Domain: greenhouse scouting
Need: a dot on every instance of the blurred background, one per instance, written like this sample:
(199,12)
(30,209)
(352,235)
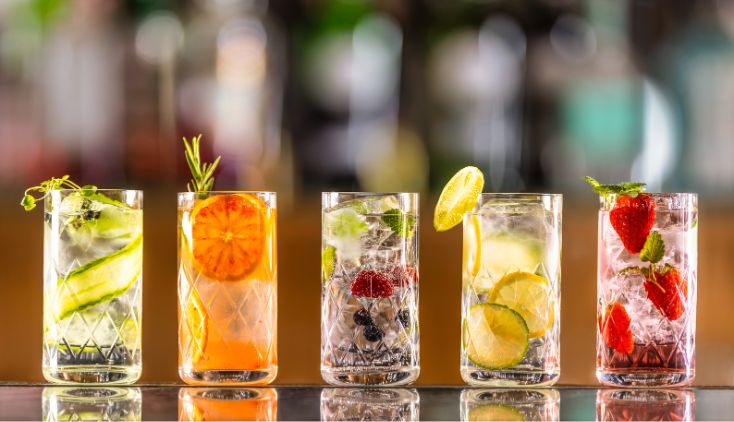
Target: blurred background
(304,96)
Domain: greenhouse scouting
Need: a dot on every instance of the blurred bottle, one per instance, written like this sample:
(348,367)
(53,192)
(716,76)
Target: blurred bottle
(232,88)
(349,55)
(475,86)
(92,404)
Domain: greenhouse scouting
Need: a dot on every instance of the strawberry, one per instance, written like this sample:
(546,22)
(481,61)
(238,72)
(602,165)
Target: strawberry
(372,284)
(633,213)
(668,291)
(404,276)
(615,328)
(632,219)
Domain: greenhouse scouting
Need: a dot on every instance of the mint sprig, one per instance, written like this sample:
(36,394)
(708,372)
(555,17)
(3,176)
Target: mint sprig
(626,188)
(202,174)
(55,183)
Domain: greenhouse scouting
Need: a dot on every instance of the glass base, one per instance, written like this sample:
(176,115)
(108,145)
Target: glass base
(228,377)
(92,374)
(370,376)
(509,378)
(645,378)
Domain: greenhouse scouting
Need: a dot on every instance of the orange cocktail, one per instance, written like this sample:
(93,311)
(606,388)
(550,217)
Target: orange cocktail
(227,288)
(227,404)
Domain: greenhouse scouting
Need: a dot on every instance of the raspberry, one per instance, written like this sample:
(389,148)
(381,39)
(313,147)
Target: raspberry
(372,284)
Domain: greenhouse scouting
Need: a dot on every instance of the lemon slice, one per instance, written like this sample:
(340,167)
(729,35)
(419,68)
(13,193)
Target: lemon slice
(503,253)
(495,336)
(530,296)
(472,245)
(495,412)
(457,198)
(195,321)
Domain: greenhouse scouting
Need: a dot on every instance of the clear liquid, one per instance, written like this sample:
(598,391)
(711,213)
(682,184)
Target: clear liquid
(101,343)
(348,355)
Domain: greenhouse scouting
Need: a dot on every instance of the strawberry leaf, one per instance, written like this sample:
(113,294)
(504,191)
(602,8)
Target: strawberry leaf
(626,188)
(654,248)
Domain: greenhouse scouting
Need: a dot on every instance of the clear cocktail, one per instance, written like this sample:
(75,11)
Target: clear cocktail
(93,263)
(511,290)
(369,302)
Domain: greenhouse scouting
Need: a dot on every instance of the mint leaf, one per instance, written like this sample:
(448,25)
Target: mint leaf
(400,223)
(654,248)
(28,202)
(626,188)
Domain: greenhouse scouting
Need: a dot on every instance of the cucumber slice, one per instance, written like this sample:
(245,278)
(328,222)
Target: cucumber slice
(99,280)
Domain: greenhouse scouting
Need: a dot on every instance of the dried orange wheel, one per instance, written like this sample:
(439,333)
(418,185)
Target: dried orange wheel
(228,236)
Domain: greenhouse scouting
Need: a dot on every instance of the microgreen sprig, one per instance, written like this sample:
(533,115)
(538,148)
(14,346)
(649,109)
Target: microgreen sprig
(627,188)
(55,183)
(202,174)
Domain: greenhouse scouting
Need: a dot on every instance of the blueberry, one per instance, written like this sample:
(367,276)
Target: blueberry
(92,215)
(362,317)
(372,333)
(404,317)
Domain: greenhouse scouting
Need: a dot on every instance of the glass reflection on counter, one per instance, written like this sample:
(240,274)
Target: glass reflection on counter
(361,404)
(227,404)
(510,405)
(645,405)
(92,403)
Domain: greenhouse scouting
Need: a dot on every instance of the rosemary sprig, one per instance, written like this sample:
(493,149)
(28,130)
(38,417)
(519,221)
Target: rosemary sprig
(55,183)
(202,174)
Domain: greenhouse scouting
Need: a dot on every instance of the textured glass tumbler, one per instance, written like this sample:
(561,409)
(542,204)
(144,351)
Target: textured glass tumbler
(369,300)
(644,404)
(370,404)
(647,308)
(92,293)
(227,281)
(512,290)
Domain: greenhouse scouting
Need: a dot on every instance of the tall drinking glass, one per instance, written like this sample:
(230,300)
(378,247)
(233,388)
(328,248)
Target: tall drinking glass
(93,265)
(369,300)
(227,404)
(511,290)
(647,308)
(542,405)
(644,404)
(227,279)
(92,404)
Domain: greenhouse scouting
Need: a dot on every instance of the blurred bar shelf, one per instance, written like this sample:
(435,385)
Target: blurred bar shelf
(317,402)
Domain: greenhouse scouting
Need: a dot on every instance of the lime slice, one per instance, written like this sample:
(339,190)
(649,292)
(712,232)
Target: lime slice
(458,197)
(530,296)
(495,412)
(503,253)
(472,245)
(328,261)
(98,280)
(495,336)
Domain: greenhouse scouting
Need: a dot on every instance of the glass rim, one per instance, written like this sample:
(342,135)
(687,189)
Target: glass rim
(98,190)
(369,193)
(227,192)
(519,195)
(663,194)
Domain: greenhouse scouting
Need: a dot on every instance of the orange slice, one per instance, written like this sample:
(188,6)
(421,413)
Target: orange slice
(228,235)
(195,327)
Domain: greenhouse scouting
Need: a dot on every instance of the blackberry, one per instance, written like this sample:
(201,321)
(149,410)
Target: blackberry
(92,215)
(372,333)
(404,317)
(362,317)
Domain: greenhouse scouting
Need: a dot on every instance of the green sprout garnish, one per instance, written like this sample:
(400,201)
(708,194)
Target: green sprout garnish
(55,183)
(202,174)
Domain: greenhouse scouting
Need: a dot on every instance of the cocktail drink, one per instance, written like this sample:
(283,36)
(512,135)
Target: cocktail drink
(369,301)
(93,264)
(645,405)
(92,404)
(510,405)
(647,289)
(227,404)
(227,287)
(379,404)
(511,290)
